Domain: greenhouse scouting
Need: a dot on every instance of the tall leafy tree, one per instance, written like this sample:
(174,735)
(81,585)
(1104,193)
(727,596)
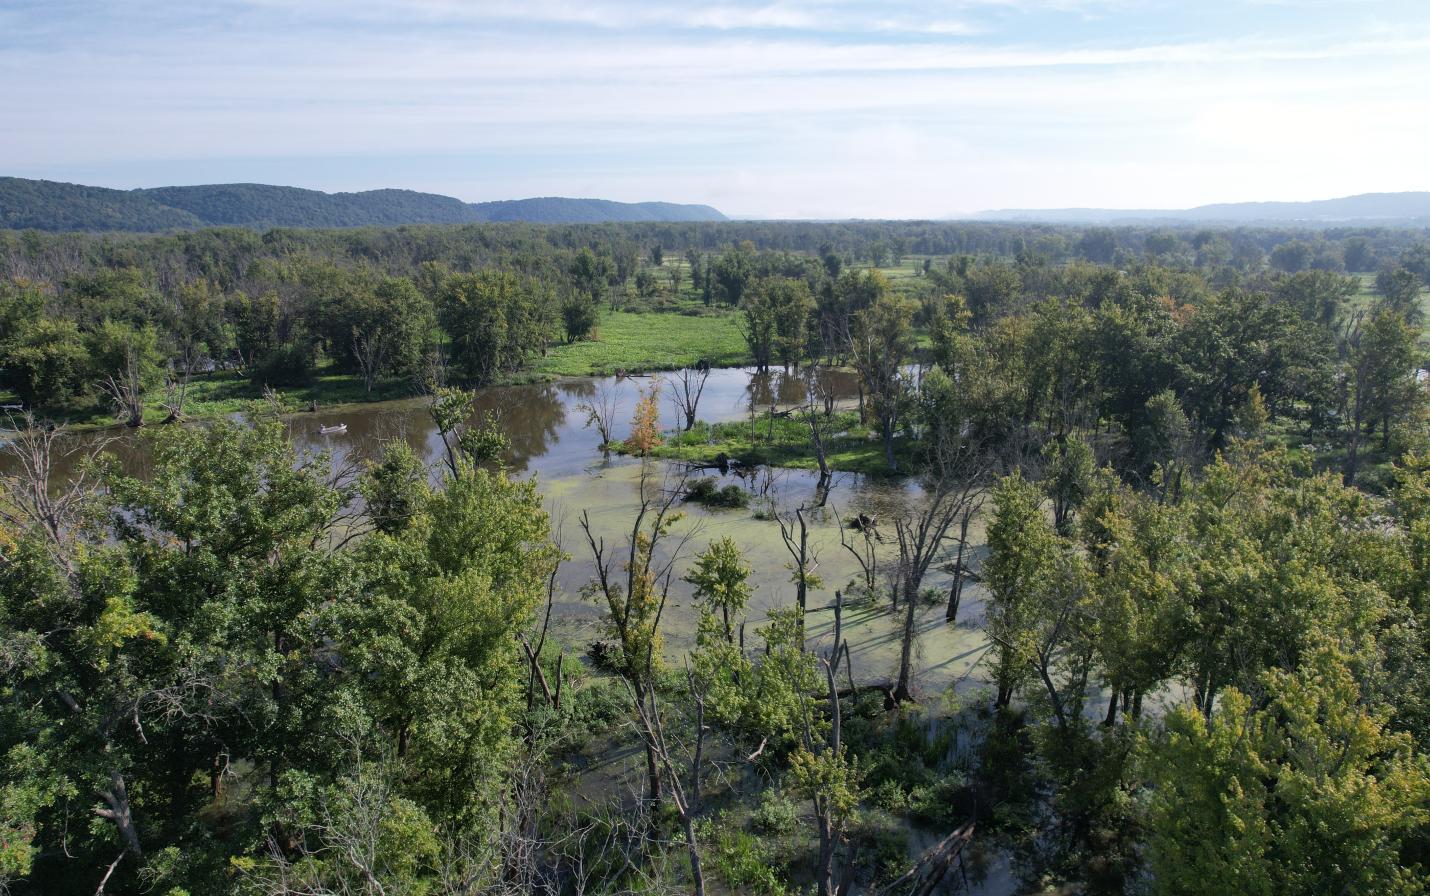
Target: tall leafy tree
(882,339)
(1305,791)
(496,321)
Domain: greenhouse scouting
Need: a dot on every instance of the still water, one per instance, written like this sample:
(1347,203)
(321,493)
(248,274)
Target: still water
(551,442)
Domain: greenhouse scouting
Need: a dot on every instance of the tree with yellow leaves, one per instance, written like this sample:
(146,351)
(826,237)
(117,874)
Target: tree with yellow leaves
(645,425)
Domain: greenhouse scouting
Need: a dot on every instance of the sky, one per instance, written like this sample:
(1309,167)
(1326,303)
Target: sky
(783,109)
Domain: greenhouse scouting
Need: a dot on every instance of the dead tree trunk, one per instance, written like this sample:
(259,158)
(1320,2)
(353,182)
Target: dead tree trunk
(686,389)
(804,559)
(960,572)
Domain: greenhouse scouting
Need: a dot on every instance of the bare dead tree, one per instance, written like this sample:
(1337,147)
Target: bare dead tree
(176,381)
(684,794)
(350,519)
(616,853)
(274,401)
(686,388)
(370,350)
(953,480)
(924,878)
(346,831)
(819,423)
(635,607)
(959,569)
(109,872)
(828,816)
(126,391)
(600,412)
(804,560)
(536,675)
(861,540)
(635,595)
(33,496)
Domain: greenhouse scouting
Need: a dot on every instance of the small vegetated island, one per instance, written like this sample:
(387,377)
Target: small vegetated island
(1161,496)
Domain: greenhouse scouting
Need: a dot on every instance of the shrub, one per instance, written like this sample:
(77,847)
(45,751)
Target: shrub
(776,814)
(707,491)
(740,859)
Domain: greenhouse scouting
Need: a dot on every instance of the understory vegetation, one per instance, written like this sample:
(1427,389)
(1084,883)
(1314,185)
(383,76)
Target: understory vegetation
(1178,482)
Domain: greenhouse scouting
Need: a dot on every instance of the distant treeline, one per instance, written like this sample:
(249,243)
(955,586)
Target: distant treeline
(86,319)
(223,255)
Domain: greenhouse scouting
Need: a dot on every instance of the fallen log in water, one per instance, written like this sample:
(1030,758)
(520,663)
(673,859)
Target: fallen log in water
(932,867)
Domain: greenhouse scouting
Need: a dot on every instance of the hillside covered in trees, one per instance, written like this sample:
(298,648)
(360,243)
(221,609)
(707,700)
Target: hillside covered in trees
(48,205)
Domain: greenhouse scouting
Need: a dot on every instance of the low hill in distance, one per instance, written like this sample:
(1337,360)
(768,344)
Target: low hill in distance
(1365,208)
(49,205)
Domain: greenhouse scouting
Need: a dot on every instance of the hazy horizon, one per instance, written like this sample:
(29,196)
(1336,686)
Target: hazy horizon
(762,110)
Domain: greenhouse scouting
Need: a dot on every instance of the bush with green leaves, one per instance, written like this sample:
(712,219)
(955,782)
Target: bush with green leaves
(708,492)
(740,859)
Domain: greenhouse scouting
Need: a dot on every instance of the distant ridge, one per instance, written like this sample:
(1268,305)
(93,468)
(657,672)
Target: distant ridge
(1365,208)
(50,205)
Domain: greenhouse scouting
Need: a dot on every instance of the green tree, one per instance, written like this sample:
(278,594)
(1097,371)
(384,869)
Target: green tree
(1380,385)
(1292,256)
(1098,244)
(1142,576)
(433,634)
(775,320)
(721,580)
(733,273)
(1318,296)
(1310,794)
(882,340)
(394,488)
(1068,479)
(1022,555)
(46,363)
(1359,254)
(991,289)
(390,332)
(591,274)
(1401,288)
(579,316)
(170,637)
(496,321)
(1237,340)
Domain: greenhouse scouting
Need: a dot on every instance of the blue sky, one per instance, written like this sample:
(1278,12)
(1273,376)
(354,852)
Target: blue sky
(763,109)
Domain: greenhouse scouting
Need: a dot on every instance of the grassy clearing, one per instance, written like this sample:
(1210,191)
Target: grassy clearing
(649,341)
(1366,298)
(910,267)
(779,442)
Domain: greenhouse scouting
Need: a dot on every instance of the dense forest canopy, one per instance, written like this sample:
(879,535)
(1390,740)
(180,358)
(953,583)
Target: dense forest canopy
(1175,478)
(220,254)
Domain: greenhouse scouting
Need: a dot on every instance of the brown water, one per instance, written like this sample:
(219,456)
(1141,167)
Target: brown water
(550,441)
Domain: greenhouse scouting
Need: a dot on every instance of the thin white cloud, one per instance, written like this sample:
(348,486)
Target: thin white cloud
(776,108)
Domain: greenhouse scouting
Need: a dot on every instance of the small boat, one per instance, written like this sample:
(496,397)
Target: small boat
(336,429)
